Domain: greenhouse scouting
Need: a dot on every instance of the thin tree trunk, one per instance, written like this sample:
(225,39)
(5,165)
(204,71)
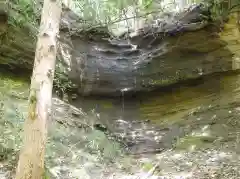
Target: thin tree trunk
(31,159)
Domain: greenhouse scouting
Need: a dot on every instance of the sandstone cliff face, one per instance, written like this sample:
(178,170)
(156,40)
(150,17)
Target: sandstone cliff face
(177,48)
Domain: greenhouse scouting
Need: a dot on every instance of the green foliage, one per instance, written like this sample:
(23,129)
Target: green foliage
(102,12)
(216,8)
(27,12)
(61,82)
(147,3)
(92,12)
(220,9)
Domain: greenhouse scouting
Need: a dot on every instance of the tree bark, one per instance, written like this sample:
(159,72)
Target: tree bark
(31,159)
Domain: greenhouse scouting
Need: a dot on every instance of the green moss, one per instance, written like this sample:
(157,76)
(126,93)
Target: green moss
(179,77)
(107,105)
(194,142)
(46,173)
(13,86)
(147,166)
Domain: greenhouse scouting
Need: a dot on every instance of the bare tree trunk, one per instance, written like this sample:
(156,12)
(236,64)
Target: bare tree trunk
(31,159)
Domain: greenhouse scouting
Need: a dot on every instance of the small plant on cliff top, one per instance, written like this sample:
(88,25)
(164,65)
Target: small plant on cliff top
(220,9)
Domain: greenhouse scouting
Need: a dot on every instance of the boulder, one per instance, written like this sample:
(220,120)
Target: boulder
(172,48)
(179,47)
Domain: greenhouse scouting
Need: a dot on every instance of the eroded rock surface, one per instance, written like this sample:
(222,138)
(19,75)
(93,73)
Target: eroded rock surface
(175,47)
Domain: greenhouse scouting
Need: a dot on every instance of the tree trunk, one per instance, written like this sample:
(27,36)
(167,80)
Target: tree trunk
(31,159)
